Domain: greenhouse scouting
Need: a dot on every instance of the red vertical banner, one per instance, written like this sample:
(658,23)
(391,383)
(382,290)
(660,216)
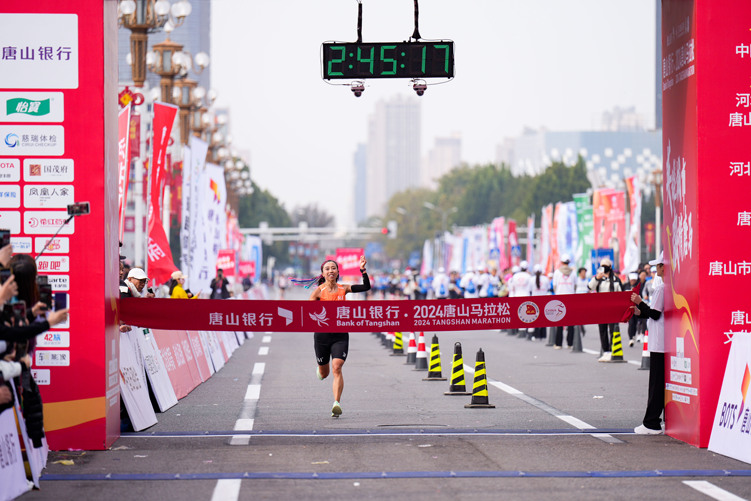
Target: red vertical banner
(226,260)
(66,120)
(616,222)
(348,259)
(513,244)
(600,209)
(160,262)
(706,50)
(123,164)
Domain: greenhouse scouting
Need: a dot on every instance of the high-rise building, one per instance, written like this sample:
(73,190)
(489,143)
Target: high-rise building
(193,35)
(393,151)
(445,155)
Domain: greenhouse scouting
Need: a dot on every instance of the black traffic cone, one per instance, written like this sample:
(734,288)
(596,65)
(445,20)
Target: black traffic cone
(411,350)
(480,385)
(577,347)
(457,386)
(434,370)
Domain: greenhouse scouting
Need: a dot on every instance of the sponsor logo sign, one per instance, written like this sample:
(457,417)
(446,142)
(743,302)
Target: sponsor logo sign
(46,140)
(36,222)
(40,51)
(48,358)
(45,170)
(10,170)
(41,196)
(21,245)
(11,220)
(58,264)
(53,339)
(59,282)
(10,197)
(41,376)
(555,311)
(31,107)
(58,245)
(528,312)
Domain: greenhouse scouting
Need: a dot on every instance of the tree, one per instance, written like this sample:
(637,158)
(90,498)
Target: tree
(260,206)
(315,216)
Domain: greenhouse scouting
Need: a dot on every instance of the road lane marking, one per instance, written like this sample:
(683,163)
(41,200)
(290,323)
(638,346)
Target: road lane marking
(266,339)
(253,392)
(263,350)
(571,420)
(258,369)
(227,489)
(712,490)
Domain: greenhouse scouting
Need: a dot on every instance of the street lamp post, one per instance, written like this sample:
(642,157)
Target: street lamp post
(142,17)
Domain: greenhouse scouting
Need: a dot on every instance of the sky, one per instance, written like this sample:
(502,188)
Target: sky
(556,64)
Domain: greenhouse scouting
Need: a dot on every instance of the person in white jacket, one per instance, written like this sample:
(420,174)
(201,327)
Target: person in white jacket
(564,282)
(540,287)
(441,284)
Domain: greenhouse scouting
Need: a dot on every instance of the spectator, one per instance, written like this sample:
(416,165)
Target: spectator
(652,424)
(282,283)
(455,291)
(483,281)
(519,285)
(606,281)
(582,287)
(219,286)
(540,287)
(135,284)
(247,283)
(564,282)
(494,283)
(177,286)
(468,283)
(441,284)
(636,325)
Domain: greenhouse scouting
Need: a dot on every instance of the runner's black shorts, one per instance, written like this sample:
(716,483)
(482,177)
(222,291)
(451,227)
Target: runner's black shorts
(330,345)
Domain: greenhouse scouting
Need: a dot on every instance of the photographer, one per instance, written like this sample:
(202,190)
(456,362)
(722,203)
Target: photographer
(606,281)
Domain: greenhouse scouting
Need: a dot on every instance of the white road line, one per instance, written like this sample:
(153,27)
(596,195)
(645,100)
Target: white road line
(263,350)
(712,490)
(258,369)
(227,490)
(593,352)
(244,424)
(575,422)
(266,339)
(253,392)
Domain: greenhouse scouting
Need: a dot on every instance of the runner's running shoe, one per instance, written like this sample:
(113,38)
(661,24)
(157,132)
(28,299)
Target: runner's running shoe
(318,373)
(336,410)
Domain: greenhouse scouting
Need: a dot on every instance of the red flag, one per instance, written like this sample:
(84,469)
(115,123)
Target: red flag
(160,262)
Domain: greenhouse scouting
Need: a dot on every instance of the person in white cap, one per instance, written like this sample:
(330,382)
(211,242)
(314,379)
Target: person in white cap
(564,282)
(468,284)
(606,281)
(441,284)
(177,287)
(540,287)
(135,284)
(652,424)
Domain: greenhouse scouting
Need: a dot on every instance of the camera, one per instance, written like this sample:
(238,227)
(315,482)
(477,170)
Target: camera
(420,87)
(357,88)
(4,275)
(79,209)
(4,238)
(45,294)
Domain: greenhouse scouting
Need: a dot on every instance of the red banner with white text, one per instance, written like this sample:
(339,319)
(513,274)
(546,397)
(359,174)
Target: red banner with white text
(370,316)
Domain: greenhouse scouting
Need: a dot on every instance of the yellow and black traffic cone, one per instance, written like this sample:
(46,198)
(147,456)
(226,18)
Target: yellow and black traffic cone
(617,348)
(480,385)
(411,350)
(645,358)
(434,370)
(398,345)
(457,386)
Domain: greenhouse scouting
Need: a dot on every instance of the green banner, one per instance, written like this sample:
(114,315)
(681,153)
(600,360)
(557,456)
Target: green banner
(586,226)
(34,108)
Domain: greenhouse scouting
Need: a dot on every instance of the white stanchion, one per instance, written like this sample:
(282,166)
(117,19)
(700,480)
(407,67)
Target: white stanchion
(36,456)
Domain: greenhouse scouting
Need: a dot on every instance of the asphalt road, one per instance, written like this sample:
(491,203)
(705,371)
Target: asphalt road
(261,428)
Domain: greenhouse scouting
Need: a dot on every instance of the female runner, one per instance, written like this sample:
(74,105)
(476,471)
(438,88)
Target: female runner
(334,345)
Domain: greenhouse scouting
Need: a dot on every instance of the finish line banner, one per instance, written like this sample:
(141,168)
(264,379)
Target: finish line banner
(375,315)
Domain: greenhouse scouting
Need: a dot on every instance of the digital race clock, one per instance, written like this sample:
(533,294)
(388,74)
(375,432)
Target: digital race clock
(356,61)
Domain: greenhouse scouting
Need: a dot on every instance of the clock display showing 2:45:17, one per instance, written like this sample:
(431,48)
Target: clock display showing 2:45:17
(388,60)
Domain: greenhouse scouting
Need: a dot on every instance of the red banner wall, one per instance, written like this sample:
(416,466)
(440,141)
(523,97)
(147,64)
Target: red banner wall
(706,52)
(377,316)
(77,368)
